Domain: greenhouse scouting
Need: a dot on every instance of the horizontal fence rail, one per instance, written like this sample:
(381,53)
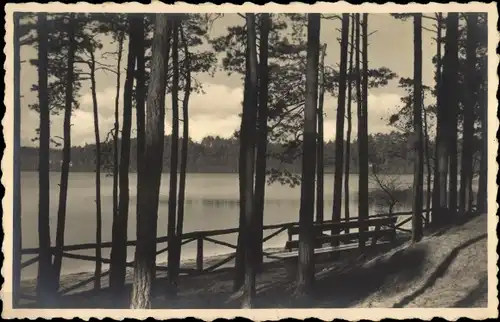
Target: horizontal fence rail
(196,265)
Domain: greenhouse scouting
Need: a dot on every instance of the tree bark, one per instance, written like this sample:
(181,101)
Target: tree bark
(174,162)
(440,190)
(250,116)
(418,175)
(349,124)
(98,231)
(66,153)
(44,290)
(305,276)
(241,249)
(451,81)
(363,137)
(120,225)
(152,159)
(468,135)
(482,189)
(140,94)
(116,128)
(165,76)
(17,227)
(339,131)
(359,98)
(260,170)
(184,147)
(429,169)
(320,149)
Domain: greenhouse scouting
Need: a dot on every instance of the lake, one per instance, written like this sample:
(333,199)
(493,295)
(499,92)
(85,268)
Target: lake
(211,203)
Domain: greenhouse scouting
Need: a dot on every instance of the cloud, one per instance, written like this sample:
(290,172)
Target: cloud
(380,107)
(214,112)
(218,100)
(105,101)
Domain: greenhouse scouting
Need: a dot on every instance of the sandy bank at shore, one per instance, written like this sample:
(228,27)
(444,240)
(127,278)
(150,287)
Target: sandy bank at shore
(447,268)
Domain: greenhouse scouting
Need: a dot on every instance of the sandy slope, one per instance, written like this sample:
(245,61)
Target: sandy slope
(446,269)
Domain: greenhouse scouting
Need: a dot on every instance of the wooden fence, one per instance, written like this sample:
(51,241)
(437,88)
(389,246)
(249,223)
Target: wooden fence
(201,238)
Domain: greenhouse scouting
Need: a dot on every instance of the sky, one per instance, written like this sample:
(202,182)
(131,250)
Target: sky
(215,112)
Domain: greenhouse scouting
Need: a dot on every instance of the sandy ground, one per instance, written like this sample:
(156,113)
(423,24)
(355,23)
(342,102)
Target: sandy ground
(447,268)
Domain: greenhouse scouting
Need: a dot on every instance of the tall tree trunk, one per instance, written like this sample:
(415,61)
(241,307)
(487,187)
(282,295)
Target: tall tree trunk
(349,124)
(482,189)
(66,153)
(440,189)
(339,131)
(165,75)
(250,116)
(152,160)
(98,231)
(429,168)
(359,98)
(260,169)
(468,136)
(140,96)
(418,174)
(320,149)
(44,290)
(120,225)
(116,129)
(184,148)
(17,227)
(363,138)
(305,276)
(451,83)
(174,159)
(241,249)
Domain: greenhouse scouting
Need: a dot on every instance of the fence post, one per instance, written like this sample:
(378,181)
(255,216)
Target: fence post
(199,254)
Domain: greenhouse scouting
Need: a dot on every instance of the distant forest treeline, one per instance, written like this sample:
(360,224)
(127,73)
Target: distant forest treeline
(390,152)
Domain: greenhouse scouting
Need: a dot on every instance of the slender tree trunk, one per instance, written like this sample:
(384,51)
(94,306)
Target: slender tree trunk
(260,170)
(468,137)
(17,227)
(250,116)
(339,131)
(241,249)
(305,276)
(44,290)
(440,190)
(184,147)
(98,231)
(482,189)
(349,124)
(140,96)
(174,159)
(320,149)
(140,90)
(418,175)
(363,137)
(120,225)
(66,154)
(359,98)
(116,128)
(152,160)
(429,169)
(165,76)
(451,83)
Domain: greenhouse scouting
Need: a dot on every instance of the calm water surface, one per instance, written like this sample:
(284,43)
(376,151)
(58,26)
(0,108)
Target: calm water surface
(211,203)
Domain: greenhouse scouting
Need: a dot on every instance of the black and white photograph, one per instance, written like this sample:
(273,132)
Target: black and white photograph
(177,160)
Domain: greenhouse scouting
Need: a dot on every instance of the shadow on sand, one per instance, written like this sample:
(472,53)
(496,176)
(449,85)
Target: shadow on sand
(342,284)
